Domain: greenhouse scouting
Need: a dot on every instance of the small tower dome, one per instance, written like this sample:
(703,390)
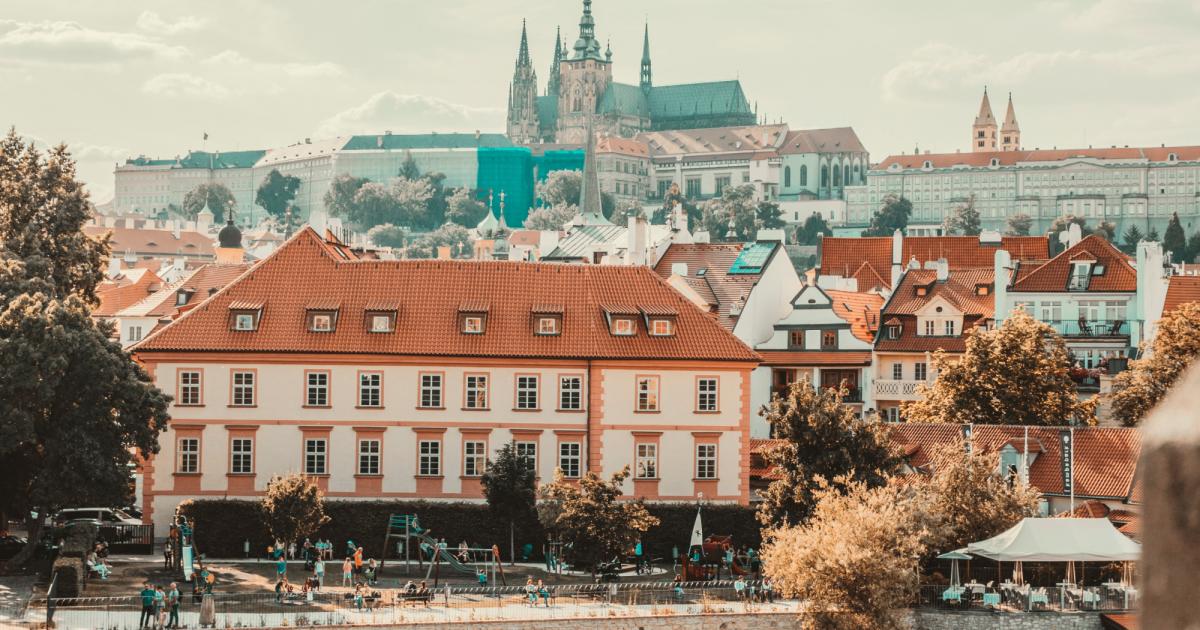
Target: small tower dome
(230,236)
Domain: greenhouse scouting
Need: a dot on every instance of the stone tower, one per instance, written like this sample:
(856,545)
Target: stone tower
(645,77)
(583,79)
(522,97)
(552,85)
(1010,131)
(983,132)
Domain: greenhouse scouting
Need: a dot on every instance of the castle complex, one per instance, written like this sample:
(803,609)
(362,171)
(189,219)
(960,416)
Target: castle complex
(580,86)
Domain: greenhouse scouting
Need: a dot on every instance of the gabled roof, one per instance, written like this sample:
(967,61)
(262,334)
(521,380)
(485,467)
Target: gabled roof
(430,294)
(144,242)
(844,256)
(833,140)
(687,99)
(623,146)
(582,239)
(860,310)
(1119,275)
(200,283)
(708,266)
(621,98)
(959,290)
(740,140)
(1180,291)
(132,286)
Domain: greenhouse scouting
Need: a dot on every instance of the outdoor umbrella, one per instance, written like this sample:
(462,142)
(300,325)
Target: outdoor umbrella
(954,557)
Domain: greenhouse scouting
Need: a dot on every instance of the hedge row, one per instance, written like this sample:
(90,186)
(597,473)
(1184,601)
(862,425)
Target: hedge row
(223,526)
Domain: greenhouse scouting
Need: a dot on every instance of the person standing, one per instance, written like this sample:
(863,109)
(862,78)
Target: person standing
(147,596)
(358,560)
(173,605)
(291,548)
(319,572)
(347,569)
(280,568)
(160,607)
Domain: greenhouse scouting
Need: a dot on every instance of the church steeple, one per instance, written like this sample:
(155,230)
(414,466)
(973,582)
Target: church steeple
(1010,132)
(587,46)
(523,53)
(645,82)
(983,132)
(552,83)
(522,96)
(590,210)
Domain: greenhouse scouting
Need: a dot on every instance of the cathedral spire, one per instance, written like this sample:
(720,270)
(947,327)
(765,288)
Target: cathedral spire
(1010,118)
(985,116)
(590,210)
(983,131)
(523,53)
(552,81)
(1010,132)
(645,82)
(587,47)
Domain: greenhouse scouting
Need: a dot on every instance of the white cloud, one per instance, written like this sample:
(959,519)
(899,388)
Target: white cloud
(232,59)
(73,43)
(154,23)
(409,113)
(178,84)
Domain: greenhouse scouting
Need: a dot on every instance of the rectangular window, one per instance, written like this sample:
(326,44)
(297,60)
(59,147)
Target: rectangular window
(722,183)
(647,461)
(188,461)
(189,388)
(569,458)
(473,325)
(317,389)
(368,456)
(622,326)
(1051,311)
(528,452)
(527,392)
(135,333)
(929,328)
(430,463)
(706,461)
(547,326)
(241,456)
(796,339)
(897,371)
(316,451)
(244,321)
(570,393)
(892,414)
(243,389)
(476,391)
(706,394)
(647,393)
(693,188)
(950,326)
(431,391)
(370,389)
(829,339)
(662,328)
(920,371)
(474,458)
(321,322)
(381,323)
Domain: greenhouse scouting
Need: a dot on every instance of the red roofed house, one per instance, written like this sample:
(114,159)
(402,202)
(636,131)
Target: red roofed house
(397,379)
(160,308)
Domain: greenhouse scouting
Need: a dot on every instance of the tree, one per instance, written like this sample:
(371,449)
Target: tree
(592,518)
(854,563)
(551,217)
(387,235)
(768,216)
(215,197)
(626,209)
(339,199)
(1174,240)
(1193,248)
(75,410)
(565,187)
(965,219)
(408,168)
(892,216)
(813,229)
(1176,345)
(1152,235)
(372,205)
(276,192)
(733,216)
(435,207)
(1015,374)
(293,507)
(510,487)
(412,197)
(671,198)
(1131,238)
(464,209)
(822,438)
(1019,225)
(1106,230)
(451,235)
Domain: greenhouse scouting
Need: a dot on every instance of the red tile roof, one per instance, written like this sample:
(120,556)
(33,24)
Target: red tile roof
(203,282)
(861,310)
(120,293)
(716,285)
(833,140)
(624,146)
(1119,276)
(959,289)
(1180,291)
(1010,158)
(154,242)
(430,294)
(844,256)
(816,357)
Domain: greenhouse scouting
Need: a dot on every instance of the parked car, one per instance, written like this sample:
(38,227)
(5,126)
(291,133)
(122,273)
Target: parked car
(10,546)
(104,516)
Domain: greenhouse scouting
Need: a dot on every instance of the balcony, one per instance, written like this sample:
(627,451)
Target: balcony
(887,389)
(1091,328)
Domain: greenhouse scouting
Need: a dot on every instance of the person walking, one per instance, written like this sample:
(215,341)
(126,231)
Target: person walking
(147,597)
(173,605)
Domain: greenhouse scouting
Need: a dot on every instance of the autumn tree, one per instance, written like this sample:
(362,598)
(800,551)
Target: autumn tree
(1174,240)
(892,216)
(821,438)
(75,410)
(551,217)
(1015,374)
(592,518)
(510,487)
(276,192)
(855,561)
(964,220)
(1176,345)
(339,199)
(464,209)
(1019,225)
(215,197)
(293,507)
(1133,235)
(812,230)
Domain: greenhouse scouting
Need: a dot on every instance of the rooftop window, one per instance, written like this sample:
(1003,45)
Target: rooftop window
(548,325)
(322,321)
(381,322)
(662,327)
(622,326)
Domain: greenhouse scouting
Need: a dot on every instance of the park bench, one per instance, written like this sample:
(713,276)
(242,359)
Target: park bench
(404,598)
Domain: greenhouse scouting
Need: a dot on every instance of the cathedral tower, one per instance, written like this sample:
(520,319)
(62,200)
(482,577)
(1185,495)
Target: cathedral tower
(1010,131)
(583,78)
(552,83)
(522,97)
(645,80)
(983,132)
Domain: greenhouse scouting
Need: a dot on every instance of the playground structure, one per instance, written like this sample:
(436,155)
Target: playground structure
(405,527)
(703,562)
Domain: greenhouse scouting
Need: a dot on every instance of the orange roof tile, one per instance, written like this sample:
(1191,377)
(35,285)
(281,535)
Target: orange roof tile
(623,146)
(203,282)
(1119,275)
(1180,291)
(116,295)
(154,242)
(815,357)
(959,289)
(708,273)
(861,310)
(431,293)
(845,256)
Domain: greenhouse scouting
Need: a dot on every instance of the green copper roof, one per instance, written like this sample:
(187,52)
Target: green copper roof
(620,98)
(547,111)
(689,99)
(205,160)
(426,141)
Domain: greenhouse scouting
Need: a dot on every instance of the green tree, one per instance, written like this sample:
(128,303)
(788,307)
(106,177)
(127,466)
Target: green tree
(1015,374)
(510,487)
(768,215)
(464,209)
(412,197)
(75,410)
(551,217)
(435,207)
(293,507)
(1106,230)
(564,187)
(1176,345)
(822,438)
(388,235)
(626,209)
(1193,248)
(592,518)
(408,168)
(673,196)
(1019,225)
(276,192)
(892,216)
(372,205)
(339,199)
(965,219)
(813,229)
(733,216)
(215,197)
(1133,235)
(1174,240)
(1152,235)
(451,235)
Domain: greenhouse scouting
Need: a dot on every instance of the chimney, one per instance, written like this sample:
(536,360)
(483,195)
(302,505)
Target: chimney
(114,267)
(130,258)
(679,269)
(897,255)
(943,270)
(178,266)
(174,228)
(443,252)
(1151,286)
(1001,268)
(635,252)
(1071,236)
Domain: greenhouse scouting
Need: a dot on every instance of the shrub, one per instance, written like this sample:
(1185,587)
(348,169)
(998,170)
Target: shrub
(71,576)
(78,540)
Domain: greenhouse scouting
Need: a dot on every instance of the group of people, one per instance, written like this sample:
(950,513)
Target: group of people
(96,561)
(413,592)
(160,607)
(534,591)
(748,591)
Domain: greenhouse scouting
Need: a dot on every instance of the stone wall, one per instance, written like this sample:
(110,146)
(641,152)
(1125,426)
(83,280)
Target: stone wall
(955,620)
(766,621)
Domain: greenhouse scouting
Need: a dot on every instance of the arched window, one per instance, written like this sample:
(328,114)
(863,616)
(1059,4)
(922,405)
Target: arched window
(824,176)
(803,174)
(928,164)
(837,177)
(846,174)
(1172,157)
(576,100)
(787,177)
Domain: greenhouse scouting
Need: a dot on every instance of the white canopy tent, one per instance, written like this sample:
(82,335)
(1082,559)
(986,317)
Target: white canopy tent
(1059,540)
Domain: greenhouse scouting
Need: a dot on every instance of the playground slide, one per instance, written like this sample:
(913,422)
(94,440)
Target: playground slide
(427,542)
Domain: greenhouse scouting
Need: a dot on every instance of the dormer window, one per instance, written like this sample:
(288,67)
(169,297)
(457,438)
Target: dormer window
(472,324)
(1081,274)
(662,327)
(547,319)
(548,325)
(244,321)
(244,316)
(320,322)
(893,332)
(472,318)
(922,290)
(182,296)
(983,289)
(381,322)
(622,326)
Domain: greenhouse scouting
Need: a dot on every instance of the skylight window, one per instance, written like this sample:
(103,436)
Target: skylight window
(381,322)
(245,321)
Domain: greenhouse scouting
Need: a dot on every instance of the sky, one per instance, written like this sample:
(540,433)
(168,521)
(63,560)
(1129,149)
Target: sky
(117,79)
